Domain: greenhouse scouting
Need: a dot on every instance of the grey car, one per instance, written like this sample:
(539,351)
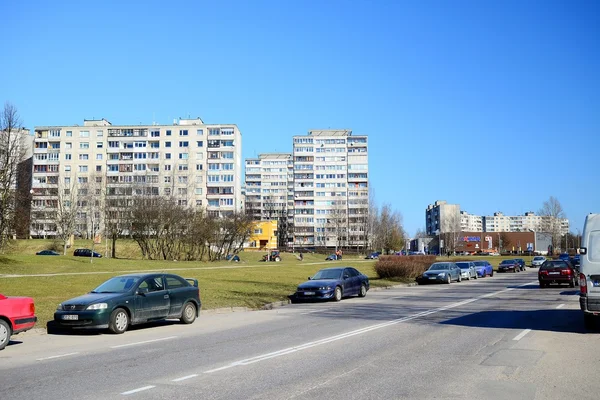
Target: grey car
(468,270)
(440,272)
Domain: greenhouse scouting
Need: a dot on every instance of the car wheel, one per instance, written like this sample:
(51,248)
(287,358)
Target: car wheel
(189,313)
(277,259)
(119,321)
(572,283)
(363,291)
(337,293)
(5,333)
(448,279)
(475,277)
(492,274)
(588,321)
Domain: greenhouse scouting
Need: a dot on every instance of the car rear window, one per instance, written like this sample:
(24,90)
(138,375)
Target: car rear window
(174,282)
(554,264)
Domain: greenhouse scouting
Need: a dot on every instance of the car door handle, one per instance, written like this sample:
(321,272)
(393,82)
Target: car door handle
(166,296)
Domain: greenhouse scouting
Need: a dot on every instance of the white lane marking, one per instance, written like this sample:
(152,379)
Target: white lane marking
(314,311)
(361,331)
(522,334)
(138,390)
(144,342)
(560,306)
(183,378)
(58,356)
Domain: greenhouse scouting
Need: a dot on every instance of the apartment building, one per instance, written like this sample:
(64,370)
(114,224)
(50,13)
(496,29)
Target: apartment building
(331,193)
(269,186)
(470,222)
(498,222)
(15,162)
(443,217)
(198,164)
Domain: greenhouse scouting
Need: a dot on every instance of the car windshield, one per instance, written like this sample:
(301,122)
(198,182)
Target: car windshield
(439,267)
(480,263)
(463,265)
(328,274)
(538,258)
(508,262)
(119,284)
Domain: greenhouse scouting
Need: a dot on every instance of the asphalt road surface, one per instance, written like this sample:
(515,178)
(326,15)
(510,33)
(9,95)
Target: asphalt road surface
(492,338)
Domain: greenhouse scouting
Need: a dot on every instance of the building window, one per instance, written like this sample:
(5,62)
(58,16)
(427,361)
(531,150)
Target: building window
(69,133)
(183,156)
(198,191)
(154,133)
(98,168)
(167,144)
(184,144)
(183,132)
(198,202)
(168,156)
(84,134)
(199,132)
(168,132)
(83,168)
(67,156)
(199,143)
(83,157)
(99,133)
(99,157)
(84,145)
(99,145)
(198,167)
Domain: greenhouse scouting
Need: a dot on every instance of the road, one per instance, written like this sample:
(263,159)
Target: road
(492,338)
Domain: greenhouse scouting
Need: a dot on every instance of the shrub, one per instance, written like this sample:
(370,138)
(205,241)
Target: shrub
(403,267)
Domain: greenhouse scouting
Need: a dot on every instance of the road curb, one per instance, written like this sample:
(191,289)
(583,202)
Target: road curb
(228,310)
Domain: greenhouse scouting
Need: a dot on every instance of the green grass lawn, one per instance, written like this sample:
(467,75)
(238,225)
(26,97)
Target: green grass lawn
(249,283)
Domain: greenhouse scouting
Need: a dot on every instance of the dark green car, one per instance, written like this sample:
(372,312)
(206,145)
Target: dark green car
(132,299)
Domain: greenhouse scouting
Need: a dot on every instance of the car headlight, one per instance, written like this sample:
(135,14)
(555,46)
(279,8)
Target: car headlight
(59,307)
(441,274)
(97,306)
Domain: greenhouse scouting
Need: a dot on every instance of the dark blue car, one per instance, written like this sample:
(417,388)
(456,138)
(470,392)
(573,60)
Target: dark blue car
(333,284)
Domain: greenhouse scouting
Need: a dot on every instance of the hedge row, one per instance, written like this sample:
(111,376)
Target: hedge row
(403,267)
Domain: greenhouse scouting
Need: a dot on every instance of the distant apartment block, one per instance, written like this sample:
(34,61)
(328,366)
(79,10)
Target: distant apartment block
(470,222)
(331,193)
(520,223)
(441,217)
(269,186)
(197,164)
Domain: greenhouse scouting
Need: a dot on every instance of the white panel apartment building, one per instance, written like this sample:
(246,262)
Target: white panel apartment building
(269,187)
(331,194)
(519,223)
(198,164)
(470,222)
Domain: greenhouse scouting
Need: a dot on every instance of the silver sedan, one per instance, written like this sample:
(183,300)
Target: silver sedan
(467,269)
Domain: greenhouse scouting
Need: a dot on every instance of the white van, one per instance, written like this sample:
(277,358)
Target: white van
(589,277)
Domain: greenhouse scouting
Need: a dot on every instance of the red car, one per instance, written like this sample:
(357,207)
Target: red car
(17,314)
(557,271)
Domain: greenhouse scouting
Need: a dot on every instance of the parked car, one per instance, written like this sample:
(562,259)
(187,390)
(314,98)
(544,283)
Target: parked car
(332,284)
(17,314)
(576,260)
(557,271)
(373,256)
(47,253)
(442,272)
(467,270)
(132,299)
(483,268)
(509,265)
(232,257)
(537,261)
(589,271)
(521,263)
(86,253)
(564,257)
(331,257)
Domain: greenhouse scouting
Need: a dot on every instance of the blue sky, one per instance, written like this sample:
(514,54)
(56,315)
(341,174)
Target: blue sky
(494,105)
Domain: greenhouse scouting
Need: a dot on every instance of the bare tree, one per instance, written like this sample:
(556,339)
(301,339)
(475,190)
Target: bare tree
(452,231)
(11,153)
(117,213)
(552,214)
(66,213)
(388,233)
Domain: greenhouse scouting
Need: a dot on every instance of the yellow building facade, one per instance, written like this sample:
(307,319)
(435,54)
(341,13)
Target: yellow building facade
(263,236)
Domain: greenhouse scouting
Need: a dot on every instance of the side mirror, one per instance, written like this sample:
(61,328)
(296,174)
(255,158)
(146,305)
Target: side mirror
(141,292)
(583,251)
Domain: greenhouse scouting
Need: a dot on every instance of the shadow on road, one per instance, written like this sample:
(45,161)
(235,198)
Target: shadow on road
(553,320)
(53,329)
